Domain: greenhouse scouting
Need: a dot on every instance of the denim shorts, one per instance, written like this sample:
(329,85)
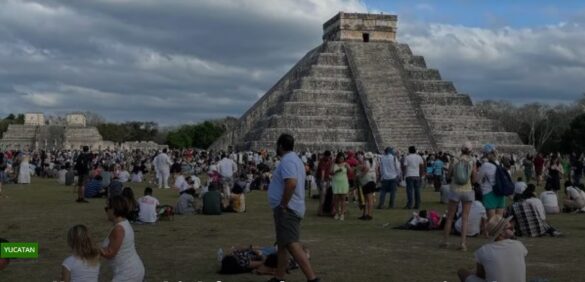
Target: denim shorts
(462,196)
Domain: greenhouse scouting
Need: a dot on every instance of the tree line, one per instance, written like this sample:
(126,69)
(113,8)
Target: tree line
(549,128)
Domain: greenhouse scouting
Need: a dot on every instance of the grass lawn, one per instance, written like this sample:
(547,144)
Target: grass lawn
(185,249)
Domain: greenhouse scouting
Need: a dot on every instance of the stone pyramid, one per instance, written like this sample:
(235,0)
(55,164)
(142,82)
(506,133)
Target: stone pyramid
(362,90)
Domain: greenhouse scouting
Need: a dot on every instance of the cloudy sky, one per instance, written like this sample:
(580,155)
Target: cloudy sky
(183,61)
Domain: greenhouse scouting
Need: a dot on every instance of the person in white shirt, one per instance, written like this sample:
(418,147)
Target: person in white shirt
(476,219)
(520,186)
(549,199)
(227,169)
(182,183)
(414,166)
(162,165)
(84,263)
(124,175)
(148,207)
(494,204)
(196,182)
(61,175)
(503,259)
(575,199)
(389,172)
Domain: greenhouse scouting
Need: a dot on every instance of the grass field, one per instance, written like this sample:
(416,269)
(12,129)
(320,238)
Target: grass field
(185,249)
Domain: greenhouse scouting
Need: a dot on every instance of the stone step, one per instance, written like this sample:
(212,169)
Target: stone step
(423,74)
(439,111)
(467,124)
(304,146)
(478,137)
(404,51)
(322,83)
(433,86)
(310,134)
(323,96)
(323,109)
(330,71)
(501,148)
(331,59)
(416,61)
(322,122)
(332,47)
(446,99)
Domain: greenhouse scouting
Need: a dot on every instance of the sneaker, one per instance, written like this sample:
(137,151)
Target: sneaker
(462,247)
(341,218)
(363,217)
(336,217)
(82,201)
(369,217)
(274,279)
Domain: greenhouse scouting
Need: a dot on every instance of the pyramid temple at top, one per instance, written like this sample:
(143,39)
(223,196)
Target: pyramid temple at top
(362,90)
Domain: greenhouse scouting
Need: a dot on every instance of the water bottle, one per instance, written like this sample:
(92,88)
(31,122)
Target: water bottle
(219,256)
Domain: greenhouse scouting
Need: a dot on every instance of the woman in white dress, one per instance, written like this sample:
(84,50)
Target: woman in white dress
(24,170)
(119,247)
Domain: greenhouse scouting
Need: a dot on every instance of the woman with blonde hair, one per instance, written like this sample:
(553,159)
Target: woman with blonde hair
(84,262)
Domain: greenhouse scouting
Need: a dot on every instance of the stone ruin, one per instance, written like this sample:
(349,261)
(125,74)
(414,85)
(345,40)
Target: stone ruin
(362,90)
(36,134)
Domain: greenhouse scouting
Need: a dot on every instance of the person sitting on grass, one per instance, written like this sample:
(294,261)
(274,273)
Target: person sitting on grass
(148,206)
(476,219)
(115,188)
(134,208)
(186,203)
(93,188)
(84,263)
(237,200)
(70,175)
(212,204)
(502,259)
(575,199)
(550,200)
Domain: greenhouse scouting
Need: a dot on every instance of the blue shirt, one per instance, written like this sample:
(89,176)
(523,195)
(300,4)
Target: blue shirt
(438,167)
(290,167)
(92,188)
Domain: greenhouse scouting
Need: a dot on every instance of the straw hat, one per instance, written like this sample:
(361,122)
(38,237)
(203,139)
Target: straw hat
(496,225)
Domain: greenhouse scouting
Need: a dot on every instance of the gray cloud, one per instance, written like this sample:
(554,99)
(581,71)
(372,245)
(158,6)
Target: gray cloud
(179,61)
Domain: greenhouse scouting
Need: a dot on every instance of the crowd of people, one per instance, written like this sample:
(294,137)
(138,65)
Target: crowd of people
(475,184)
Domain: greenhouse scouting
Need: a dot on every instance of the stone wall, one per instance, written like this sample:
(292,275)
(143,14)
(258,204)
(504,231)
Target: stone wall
(352,27)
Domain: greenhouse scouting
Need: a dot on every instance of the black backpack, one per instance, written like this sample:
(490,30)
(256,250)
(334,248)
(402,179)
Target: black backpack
(504,185)
(83,163)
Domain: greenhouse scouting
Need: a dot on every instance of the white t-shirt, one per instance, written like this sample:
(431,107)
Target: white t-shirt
(476,213)
(227,167)
(196,181)
(503,260)
(137,177)
(549,199)
(519,187)
(487,177)
(147,209)
(81,271)
(124,176)
(61,176)
(538,206)
(412,163)
(181,183)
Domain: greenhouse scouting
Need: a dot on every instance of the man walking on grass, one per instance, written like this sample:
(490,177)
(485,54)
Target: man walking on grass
(286,197)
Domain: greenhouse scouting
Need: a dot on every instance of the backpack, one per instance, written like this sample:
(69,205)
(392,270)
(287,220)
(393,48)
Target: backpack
(461,172)
(82,164)
(504,185)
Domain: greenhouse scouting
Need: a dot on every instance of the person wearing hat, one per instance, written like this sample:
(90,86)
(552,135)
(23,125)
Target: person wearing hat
(389,172)
(502,259)
(494,204)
